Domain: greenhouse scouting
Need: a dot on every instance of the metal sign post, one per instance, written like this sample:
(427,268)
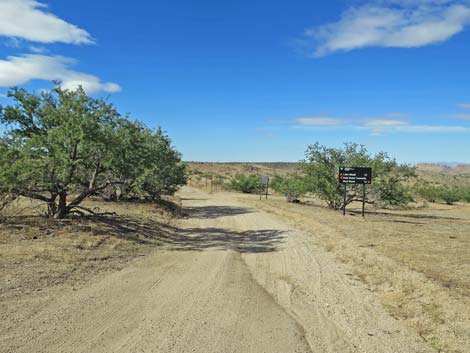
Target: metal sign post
(267,188)
(363,200)
(355,176)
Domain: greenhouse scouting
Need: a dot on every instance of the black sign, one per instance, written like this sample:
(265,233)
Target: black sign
(355,175)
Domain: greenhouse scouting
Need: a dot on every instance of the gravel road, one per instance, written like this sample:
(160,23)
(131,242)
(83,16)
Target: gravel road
(234,279)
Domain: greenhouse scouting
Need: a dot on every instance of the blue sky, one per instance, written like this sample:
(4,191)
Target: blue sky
(259,81)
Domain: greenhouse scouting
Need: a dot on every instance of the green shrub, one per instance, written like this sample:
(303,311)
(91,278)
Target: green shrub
(465,194)
(430,193)
(443,193)
(292,186)
(245,183)
(450,194)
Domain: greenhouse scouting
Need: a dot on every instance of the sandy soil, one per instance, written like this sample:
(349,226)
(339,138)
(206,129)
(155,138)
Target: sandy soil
(230,279)
(414,261)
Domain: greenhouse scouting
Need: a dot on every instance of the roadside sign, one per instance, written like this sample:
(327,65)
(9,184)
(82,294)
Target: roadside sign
(264,180)
(355,175)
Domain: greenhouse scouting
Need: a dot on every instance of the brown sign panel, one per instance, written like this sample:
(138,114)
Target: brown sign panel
(355,175)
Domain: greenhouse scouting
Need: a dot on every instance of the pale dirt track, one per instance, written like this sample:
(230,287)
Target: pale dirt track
(234,280)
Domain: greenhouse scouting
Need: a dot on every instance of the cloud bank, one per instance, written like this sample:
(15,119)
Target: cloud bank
(18,70)
(386,23)
(28,19)
(373,126)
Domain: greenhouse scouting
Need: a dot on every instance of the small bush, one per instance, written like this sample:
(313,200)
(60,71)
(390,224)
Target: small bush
(245,183)
(465,194)
(447,194)
(450,194)
(430,193)
(292,186)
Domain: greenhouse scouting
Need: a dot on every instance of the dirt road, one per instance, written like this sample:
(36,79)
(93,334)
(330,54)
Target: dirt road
(234,279)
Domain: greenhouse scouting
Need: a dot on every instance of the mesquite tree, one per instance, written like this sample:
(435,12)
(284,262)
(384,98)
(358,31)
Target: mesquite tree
(389,178)
(62,146)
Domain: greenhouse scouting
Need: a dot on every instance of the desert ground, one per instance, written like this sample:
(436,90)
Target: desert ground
(236,274)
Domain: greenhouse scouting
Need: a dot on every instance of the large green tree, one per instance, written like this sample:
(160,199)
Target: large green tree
(389,178)
(62,146)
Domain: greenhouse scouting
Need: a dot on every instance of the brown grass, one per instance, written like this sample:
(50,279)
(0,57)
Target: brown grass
(37,253)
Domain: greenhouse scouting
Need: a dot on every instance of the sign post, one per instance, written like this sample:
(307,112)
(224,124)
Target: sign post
(355,176)
(363,200)
(264,183)
(267,188)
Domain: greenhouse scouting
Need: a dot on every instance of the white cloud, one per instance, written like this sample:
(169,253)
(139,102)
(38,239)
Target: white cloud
(384,123)
(432,128)
(378,127)
(319,121)
(18,70)
(375,127)
(460,116)
(38,49)
(28,19)
(403,24)
(464,106)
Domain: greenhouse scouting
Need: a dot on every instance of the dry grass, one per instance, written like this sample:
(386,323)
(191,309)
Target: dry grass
(417,261)
(38,253)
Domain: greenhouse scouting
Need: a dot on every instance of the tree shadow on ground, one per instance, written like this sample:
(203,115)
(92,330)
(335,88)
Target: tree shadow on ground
(406,215)
(212,212)
(191,239)
(253,241)
(150,232)
(192,199)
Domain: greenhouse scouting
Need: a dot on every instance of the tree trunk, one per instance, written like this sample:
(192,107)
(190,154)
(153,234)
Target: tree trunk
(62,208)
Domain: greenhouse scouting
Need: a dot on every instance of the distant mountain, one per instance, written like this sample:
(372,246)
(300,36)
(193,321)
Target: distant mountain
(286,167)
(445,168)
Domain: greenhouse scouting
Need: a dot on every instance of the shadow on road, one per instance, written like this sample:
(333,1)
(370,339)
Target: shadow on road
(192,239)
(148,231)
(255,241)
(211,212)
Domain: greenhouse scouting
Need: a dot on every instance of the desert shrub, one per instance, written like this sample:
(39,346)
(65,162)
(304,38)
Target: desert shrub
(218,180)
(389,178)
(292,186)
(442,193)
(450,194)
(465,194)
(245,183)
(428,192)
